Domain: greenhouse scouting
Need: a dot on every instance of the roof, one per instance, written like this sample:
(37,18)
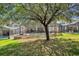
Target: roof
(8,27)
(11,26)
(73,23)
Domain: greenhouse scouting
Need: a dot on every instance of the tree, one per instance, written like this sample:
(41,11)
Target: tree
(44,13)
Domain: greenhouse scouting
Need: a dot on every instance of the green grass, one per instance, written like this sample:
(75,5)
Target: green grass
(74,36)
(62,45)
(4,42)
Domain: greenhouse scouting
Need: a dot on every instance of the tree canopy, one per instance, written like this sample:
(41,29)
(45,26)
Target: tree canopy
(41,13)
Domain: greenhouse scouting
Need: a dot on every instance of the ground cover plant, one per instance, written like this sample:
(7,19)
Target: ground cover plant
(57,46)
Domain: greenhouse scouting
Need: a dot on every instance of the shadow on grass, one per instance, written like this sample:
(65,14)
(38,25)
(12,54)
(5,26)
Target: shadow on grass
(54,47)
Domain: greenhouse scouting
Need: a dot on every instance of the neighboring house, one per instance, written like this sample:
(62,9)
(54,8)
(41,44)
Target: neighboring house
(66,27)
(55,27)
(35,29)
(16,29)
(12,30)
(71,27)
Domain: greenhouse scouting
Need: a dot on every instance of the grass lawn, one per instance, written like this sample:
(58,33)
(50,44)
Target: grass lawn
(4,42)
(74,37)
(62,45)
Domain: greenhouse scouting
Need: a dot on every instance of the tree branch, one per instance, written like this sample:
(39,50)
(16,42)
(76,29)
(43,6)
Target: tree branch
(32,12)
(52,16)
(45,13)
(41,8)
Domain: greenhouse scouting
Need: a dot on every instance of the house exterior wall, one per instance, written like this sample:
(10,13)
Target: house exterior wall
(72,27)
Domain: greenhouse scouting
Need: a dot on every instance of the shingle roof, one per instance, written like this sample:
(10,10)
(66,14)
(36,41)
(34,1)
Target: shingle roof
(73,23)
(8,27)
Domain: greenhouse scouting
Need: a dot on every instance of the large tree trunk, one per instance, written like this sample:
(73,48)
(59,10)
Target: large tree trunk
(47,33)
